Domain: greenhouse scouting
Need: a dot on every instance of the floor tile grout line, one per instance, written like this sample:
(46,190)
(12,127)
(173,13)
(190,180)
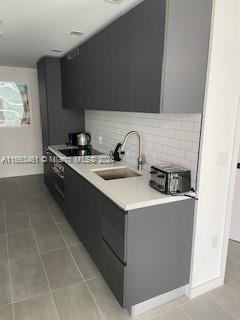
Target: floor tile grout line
(92,296)
(14,213)
(235,241)
(9,270)
(45,272)
(76,265)
(155,317)
(232,258)
(9,233)
(80,272)
(93,278)
(185,311)
(222,306)
(231,282)
(32,297)
(42,263)
(190,317)
(69,246)
(41,253)
(30,228)
(86,280)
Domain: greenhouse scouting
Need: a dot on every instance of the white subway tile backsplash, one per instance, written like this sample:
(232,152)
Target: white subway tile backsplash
(170,138)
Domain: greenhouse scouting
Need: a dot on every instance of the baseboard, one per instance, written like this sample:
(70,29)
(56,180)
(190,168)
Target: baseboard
(157,301)
(203,288)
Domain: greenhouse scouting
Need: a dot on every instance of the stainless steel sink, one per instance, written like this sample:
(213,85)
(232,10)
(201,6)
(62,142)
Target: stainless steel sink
(116,173)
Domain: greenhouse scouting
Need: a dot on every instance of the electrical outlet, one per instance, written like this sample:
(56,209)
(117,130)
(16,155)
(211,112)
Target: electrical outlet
(215,240)
(127,154)
(100,140)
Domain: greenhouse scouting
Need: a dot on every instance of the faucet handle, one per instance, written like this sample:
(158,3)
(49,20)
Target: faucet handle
(116,156)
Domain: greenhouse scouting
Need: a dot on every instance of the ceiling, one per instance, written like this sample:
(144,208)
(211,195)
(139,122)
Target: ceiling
(31,29)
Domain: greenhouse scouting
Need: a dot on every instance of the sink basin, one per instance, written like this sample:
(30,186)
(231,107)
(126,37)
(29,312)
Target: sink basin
(116,173)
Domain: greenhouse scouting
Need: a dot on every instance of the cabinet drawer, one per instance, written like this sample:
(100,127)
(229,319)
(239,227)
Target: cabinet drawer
(114,229)
(113,272)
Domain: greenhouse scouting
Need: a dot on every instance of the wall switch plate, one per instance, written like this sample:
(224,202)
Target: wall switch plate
(222,158)
(215,241)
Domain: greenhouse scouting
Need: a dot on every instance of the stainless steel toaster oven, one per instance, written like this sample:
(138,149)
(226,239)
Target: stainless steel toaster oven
(170,179)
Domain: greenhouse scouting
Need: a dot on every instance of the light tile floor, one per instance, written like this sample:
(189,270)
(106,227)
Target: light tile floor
(46,273)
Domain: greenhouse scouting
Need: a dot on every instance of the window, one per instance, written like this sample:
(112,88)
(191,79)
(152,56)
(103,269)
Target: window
(14,105)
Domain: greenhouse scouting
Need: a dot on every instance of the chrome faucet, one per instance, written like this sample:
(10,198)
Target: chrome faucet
(129,134)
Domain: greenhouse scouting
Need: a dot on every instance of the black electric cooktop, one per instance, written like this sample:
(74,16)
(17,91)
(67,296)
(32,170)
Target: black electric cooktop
(77,152)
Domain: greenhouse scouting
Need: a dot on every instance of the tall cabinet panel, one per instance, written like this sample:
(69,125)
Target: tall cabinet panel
(89,51)
(148,30)
(105,70)
(56,122)
(186,55)
(42,85)
(121,62)
(71,67)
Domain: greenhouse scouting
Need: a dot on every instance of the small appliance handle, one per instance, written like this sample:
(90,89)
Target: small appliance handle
(88,137)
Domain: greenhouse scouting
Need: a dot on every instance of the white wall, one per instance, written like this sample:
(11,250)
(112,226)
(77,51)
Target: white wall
(24,141)
(217,146)
(235,221)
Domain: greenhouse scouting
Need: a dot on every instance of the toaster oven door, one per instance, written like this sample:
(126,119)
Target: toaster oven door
(159,181)
(173,183)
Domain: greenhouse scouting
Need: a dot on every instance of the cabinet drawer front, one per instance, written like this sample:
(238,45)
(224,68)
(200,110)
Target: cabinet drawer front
(115,239)
(114,228)
(113,272)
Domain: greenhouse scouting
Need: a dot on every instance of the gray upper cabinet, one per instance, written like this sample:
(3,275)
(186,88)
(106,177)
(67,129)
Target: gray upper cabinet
(121,62)
(186,55)
(105,70)
(56,122)
(71,67)
(148,29)
(152,59)
(89,52)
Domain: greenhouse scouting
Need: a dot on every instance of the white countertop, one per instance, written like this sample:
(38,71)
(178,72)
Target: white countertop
(129,194)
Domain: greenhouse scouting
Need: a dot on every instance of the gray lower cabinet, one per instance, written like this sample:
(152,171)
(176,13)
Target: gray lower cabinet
(53,181)
(141,253)
(159,244)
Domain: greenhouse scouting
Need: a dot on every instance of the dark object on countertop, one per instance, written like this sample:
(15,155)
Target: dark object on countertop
(170,179)
(116,155)
(72,138)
